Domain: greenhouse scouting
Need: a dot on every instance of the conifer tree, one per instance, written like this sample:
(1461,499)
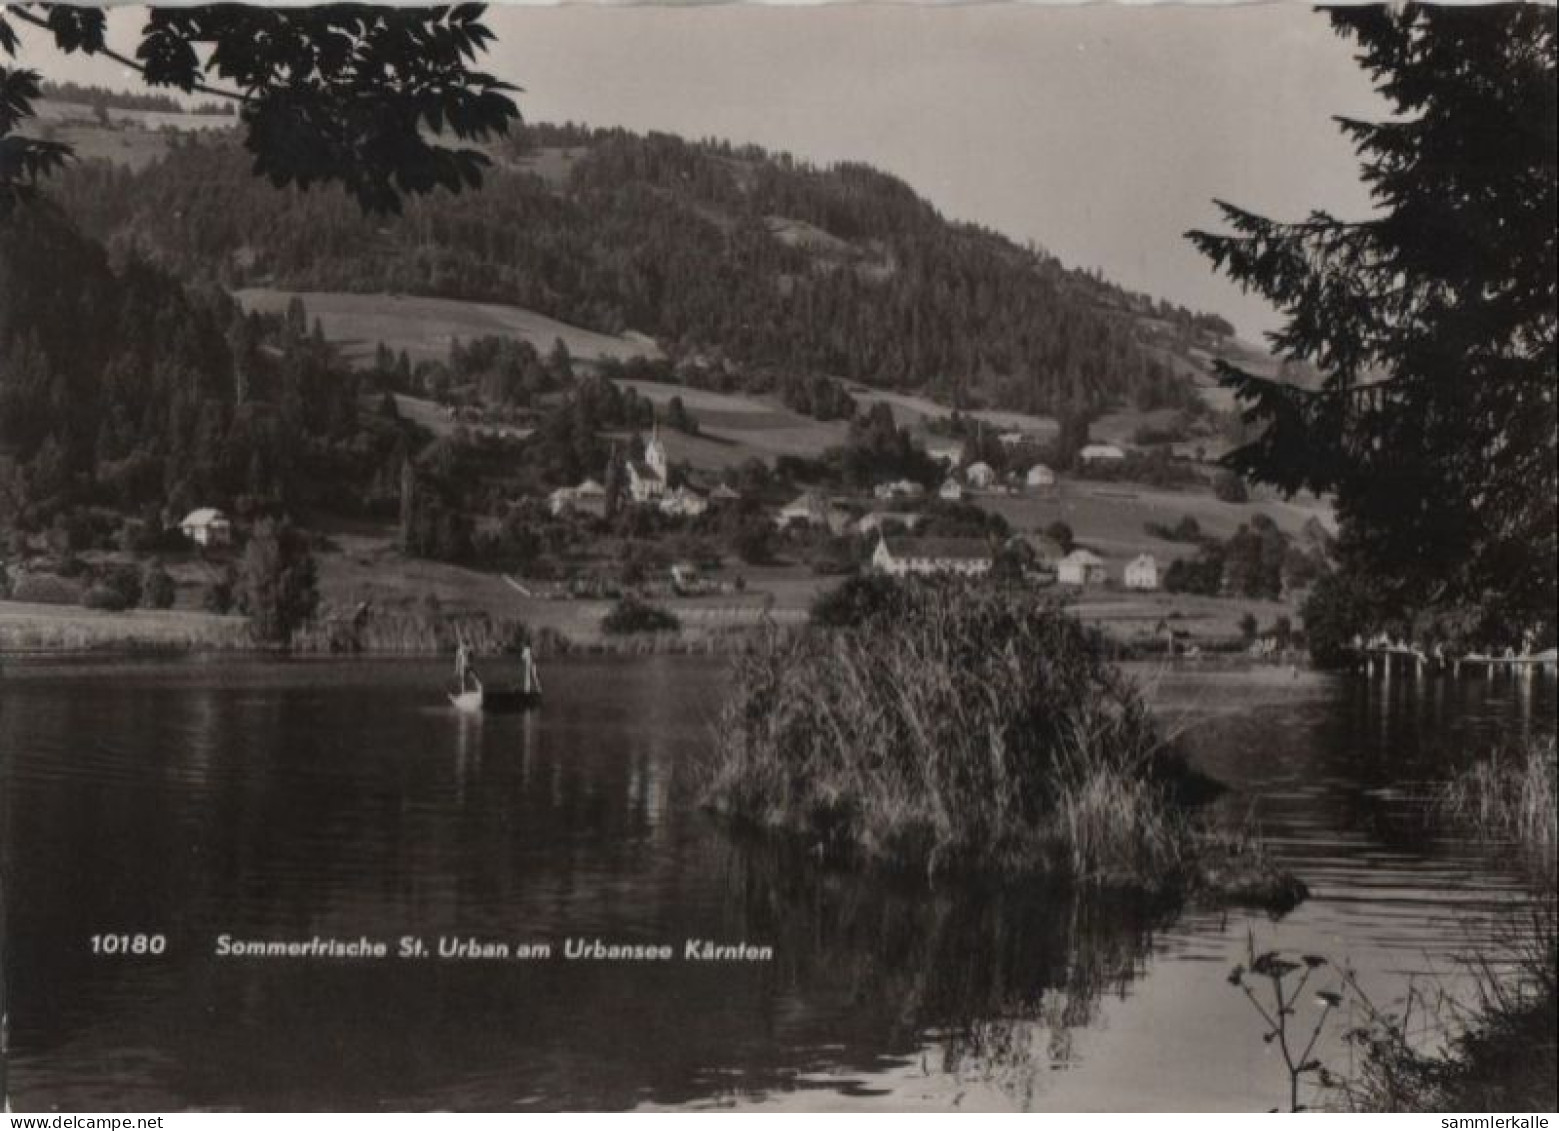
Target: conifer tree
(1432,321)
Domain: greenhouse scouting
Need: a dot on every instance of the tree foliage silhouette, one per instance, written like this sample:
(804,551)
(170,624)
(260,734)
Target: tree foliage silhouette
(341,93)
(1433,321)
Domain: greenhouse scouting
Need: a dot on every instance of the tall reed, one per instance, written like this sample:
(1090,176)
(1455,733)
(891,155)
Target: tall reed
(1501,1052)
(410,632)
(1511,795)
(954,728)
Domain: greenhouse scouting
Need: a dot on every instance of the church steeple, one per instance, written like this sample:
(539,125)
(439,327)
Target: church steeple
(655,451)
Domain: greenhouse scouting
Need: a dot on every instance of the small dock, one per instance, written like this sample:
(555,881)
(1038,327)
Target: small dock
(1387,655)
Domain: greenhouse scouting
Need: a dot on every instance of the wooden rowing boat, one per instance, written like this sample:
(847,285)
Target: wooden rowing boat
(505,700)
(470,695)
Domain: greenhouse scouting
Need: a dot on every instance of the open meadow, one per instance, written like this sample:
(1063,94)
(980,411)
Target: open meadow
(131,138)
(1111,518)
(423,327)
(368,567)
(913,411)
(734,427)
(363,567)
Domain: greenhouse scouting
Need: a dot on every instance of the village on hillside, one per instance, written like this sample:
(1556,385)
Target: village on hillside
(1187,565)
(447,457)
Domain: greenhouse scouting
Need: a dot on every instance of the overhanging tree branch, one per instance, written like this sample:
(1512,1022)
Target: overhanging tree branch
(108,52)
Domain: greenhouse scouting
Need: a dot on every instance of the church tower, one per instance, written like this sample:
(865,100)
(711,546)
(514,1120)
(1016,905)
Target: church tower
(655,453)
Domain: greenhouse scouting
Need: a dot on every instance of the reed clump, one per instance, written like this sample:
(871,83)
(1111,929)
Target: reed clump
(410,631)
(1500,1052)
(952,728)
(1512,795)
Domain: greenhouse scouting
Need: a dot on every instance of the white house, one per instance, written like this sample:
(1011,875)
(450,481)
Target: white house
(725,494)
(812,509)
(1040,476)
(589,497)
(1080,567)
(980,474)
(647,479)
(949,452)
(899,489)
(1142,572)
(683,502)
(968,557)
(951,490)
(207,526)
(876,520)
(1012,439)
(1101,453)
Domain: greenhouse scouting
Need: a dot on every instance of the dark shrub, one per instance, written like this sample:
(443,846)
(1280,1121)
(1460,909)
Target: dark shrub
(1339,608)
(45,589)
(277,581)
(631,615)
(157,587)
(855,601)
(219,594)
(126,581)
(1230,488)
(105,598)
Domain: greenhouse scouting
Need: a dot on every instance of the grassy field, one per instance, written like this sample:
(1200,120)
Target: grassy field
(736,427)
(26,627)
(429,414)
(1120,426)
(914,411)
(80,114)
(552,164)
(1110,518)
(423,327)
(1133,618)
(367,566)
(133,138)
(363,564)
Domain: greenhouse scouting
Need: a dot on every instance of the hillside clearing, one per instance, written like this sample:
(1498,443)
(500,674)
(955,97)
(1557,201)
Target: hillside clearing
(1111,518)
(423,327)
(915,411)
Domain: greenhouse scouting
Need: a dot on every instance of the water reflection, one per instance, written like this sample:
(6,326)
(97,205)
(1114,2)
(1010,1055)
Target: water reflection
(283,801)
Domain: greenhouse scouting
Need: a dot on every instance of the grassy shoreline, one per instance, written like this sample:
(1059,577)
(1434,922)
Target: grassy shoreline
(555,627)
(53,629)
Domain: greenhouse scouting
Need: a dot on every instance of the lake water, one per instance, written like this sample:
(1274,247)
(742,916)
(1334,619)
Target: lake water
(198,798)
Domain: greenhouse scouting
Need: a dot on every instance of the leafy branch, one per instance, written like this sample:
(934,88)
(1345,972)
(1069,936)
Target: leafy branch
(343,93)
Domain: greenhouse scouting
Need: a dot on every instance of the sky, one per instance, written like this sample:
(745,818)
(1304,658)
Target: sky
(1101,133)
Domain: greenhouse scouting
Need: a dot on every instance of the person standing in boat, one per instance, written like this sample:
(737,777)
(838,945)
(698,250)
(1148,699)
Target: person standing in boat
(465,673)
(532,677)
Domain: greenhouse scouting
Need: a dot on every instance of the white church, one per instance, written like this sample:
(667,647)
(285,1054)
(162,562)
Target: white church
(647,479)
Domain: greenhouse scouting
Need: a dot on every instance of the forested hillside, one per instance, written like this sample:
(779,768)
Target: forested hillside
(712,250)
(125,392)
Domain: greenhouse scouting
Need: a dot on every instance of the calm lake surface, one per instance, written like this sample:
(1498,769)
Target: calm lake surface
(196,798)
